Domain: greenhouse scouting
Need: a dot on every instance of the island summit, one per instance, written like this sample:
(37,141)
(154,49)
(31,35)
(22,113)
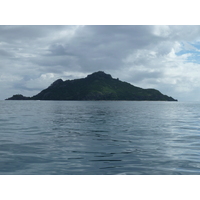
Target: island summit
(96,86)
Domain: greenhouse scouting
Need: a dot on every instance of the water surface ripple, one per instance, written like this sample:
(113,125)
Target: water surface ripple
(99,137)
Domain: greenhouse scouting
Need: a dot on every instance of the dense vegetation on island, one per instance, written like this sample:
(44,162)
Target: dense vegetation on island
(96,86)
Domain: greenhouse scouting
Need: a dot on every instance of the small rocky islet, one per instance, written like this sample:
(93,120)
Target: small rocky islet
(96,86)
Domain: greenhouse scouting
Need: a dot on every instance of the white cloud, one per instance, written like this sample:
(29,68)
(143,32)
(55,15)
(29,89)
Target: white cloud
(32,57)
(162,31)
(151,68)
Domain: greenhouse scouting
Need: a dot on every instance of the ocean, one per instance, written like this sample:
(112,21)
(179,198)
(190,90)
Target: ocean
(99,138)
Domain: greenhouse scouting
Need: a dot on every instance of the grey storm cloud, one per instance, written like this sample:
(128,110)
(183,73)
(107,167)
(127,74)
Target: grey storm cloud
(94,47)
(17,34)
(4,53)
(32,57)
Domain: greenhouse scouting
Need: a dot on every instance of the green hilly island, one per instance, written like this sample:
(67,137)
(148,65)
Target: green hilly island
(96,86)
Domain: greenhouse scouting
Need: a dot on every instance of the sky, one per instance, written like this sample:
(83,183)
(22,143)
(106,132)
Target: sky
(163,57)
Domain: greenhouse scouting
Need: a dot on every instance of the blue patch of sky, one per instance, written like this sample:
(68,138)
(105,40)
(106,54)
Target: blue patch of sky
(196,44)
(191,49)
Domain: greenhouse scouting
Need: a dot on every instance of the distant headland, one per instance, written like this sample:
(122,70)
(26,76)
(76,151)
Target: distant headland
(96,86)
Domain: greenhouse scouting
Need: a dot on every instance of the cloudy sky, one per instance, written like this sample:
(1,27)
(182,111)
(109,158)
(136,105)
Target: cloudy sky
(161,57)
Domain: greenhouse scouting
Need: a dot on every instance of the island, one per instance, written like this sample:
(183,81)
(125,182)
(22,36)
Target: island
(96,86)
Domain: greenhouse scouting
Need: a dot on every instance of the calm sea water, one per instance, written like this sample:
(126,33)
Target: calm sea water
(99,137)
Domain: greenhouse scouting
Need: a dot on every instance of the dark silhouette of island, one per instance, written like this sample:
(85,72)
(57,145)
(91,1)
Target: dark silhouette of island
(96,86)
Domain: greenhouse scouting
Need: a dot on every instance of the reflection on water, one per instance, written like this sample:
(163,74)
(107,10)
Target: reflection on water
(99,137)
